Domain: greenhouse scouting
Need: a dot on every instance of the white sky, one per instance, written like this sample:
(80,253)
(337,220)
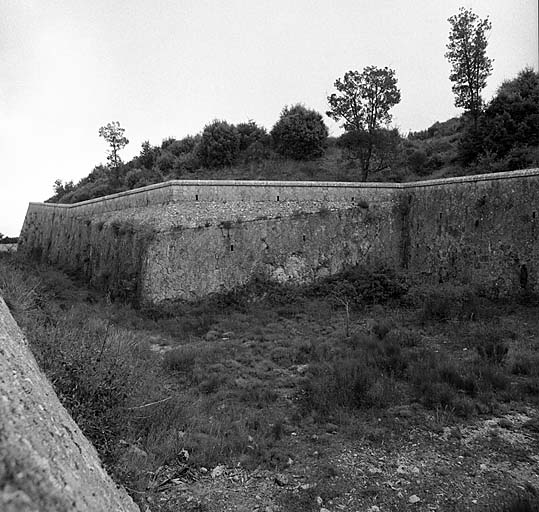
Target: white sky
(168,67)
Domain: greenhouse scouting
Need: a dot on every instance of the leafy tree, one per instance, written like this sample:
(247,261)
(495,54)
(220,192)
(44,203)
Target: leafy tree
(219,145)
(165,161)
(61,189)
(512,117)
(376,151)
(508,129)
(148,155)
(300,133)
(184,146)
(466,52)
(113,133)
(250,133)
(363,102)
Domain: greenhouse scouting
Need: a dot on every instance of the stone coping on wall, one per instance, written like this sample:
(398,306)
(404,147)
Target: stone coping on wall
(320,185)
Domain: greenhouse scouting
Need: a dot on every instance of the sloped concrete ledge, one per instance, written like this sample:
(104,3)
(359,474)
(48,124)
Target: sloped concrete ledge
(46,464)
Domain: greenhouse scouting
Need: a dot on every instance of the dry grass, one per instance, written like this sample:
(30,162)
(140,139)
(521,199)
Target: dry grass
(227,381)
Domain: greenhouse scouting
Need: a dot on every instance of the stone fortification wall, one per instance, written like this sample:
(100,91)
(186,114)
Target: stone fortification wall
(46,463)
(302,247)
(226,191)
(187,250)
(477,229)
(187,239)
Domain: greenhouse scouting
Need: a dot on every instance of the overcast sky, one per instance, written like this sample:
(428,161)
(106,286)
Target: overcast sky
(166,68)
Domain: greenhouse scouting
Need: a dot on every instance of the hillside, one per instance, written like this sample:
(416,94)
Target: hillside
(505,138)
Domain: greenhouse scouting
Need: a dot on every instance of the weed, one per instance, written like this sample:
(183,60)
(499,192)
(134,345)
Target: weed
(525,362)
(445,302)
(489,342)
(185,357)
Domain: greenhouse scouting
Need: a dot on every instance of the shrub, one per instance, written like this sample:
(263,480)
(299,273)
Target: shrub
(219,145)
(490,344)
(341,383)
(165,161)
(445,301)
(250,133)
(185,357)
(440,382)
(183,146)
(525,362)
(299,133)
(360,285)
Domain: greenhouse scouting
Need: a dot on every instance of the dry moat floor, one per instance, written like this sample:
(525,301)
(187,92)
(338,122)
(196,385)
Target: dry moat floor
(277,399)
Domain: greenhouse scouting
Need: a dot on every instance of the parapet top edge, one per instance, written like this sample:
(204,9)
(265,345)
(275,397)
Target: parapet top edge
(307,184)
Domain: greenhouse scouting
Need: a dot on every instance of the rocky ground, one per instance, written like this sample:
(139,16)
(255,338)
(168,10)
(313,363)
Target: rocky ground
(400,464)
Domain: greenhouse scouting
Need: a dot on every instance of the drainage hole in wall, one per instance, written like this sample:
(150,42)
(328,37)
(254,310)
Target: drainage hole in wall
(231,248)
(304,238)
(277,198)
(534,214)
(523,276)
(476,223)
(196,197)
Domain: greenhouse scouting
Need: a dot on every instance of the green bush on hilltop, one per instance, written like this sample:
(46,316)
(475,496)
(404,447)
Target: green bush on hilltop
(219,145)
(300,133)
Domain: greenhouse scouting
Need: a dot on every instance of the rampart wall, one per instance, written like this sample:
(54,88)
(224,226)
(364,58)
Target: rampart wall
(186,239)
(481,230)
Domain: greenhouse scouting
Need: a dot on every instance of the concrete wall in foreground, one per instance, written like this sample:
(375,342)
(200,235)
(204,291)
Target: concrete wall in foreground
(46,464)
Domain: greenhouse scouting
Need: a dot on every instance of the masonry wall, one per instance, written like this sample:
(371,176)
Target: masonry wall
(228,190)
(477,229)
(192,263)
(480,229)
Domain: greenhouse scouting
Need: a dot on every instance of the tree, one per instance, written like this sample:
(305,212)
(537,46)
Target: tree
(113,133)
(507,133)
(219,145)
(148,155)
(466,52)
(374,151)
(363,101)
(251,133)
(300,133)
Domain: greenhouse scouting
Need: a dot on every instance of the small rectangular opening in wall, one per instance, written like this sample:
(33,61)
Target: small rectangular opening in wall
(196,197)
(231,248)
(441,214)
(353,198)
(277,198)
(534,214)
(304,238)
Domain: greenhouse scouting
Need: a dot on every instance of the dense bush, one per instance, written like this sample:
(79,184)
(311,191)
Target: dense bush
(299,133)
(508,129)
(219,145)
(147,156)
(250,133)
(183,146)
(165,161)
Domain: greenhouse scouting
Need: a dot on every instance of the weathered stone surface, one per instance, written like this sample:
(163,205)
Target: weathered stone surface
(46,464)
(184,240)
